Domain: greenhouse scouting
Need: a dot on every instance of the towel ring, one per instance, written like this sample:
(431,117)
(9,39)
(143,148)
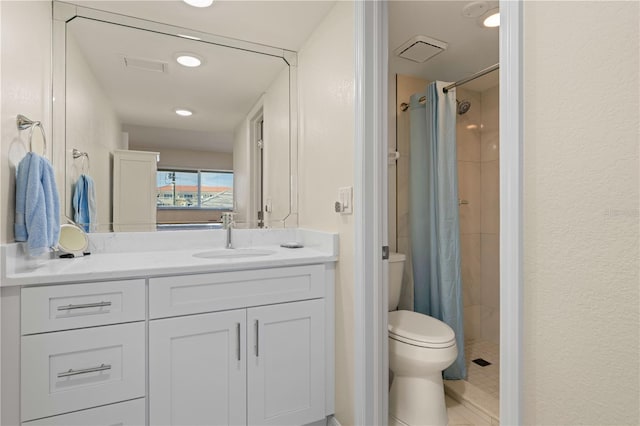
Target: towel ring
(76,153)
(23,123)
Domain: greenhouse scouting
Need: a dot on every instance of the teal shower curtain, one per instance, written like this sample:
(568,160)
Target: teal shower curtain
(433,214)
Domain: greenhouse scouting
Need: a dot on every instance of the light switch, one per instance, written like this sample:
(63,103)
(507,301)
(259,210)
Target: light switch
(345,197)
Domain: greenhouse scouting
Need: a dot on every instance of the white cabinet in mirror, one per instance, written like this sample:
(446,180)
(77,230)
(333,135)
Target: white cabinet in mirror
(222,129)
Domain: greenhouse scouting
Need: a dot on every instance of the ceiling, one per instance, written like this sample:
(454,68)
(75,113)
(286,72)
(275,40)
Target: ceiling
(471,47)
(283,24)
(220,92)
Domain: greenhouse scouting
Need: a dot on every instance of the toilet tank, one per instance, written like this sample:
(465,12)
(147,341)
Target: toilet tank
(396,269)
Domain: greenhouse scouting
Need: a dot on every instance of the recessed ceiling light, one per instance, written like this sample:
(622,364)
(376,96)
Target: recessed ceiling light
(183,112)
(199,3)
(491,19)
(188,60)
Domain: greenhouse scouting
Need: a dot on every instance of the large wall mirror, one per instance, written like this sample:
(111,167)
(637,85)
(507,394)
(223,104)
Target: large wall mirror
(220,127)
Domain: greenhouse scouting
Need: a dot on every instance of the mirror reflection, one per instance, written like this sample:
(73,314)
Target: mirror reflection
(175,131)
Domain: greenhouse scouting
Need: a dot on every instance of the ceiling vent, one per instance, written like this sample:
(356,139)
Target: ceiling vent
(145,64)
(420,48)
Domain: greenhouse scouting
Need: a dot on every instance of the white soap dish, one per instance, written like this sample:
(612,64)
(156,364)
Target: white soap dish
(292,245)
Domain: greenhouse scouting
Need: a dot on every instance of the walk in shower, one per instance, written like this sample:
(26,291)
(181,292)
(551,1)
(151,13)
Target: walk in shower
(477,148)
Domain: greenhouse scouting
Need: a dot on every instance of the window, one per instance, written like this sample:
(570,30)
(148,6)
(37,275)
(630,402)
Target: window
(195,189)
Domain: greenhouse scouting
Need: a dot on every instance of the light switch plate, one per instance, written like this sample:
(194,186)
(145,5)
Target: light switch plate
(345,197)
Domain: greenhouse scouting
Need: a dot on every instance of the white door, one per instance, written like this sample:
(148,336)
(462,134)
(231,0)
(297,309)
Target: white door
(197,370)
(286,363)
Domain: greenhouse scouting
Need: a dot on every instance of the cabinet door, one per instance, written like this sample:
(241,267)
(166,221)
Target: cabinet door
(134,190)
(286,363)
(197,370)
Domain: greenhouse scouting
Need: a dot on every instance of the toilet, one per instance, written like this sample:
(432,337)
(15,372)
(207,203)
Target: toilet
(420,348)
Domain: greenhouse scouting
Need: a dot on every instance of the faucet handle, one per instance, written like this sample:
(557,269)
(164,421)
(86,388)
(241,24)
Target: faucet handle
(227,219)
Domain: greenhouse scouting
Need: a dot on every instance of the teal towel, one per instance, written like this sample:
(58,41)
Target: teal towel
(37,218)
(84,202)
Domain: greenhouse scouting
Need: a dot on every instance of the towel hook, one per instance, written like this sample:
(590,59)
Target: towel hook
(23,123)
(79,154)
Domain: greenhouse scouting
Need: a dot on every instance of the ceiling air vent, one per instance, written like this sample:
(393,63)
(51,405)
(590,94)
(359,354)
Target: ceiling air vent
(145,64)
(420,48)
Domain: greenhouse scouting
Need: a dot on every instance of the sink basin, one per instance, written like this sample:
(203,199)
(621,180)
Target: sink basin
(233,253)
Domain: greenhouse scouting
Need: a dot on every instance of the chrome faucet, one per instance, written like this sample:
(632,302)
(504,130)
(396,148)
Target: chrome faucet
(227,223)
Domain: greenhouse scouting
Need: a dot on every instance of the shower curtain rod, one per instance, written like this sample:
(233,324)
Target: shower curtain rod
(471,78)
(404,106)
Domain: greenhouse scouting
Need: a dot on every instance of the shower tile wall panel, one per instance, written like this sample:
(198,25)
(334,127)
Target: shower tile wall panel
(468,143)
(490,217)
(469,187)
(490,124)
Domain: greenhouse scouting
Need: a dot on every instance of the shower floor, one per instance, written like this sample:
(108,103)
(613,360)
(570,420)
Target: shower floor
(481,391)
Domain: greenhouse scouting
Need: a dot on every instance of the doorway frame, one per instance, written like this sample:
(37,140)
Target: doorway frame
(370,277)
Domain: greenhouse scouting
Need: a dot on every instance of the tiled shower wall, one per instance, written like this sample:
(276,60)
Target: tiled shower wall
(477,150)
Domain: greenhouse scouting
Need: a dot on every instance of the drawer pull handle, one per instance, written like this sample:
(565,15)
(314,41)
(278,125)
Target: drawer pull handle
(72,372)
(84,306)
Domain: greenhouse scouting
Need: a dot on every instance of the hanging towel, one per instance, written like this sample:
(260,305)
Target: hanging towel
(84,203)
(37,218)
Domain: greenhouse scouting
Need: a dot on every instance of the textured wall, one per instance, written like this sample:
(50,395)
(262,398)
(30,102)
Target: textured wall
(581,353)
(326,96)
(25,88)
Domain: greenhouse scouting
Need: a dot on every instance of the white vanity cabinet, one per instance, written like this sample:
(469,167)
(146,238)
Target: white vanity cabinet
(233,347)
(259,365)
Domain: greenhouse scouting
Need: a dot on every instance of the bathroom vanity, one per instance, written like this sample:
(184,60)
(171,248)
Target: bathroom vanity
(135,334)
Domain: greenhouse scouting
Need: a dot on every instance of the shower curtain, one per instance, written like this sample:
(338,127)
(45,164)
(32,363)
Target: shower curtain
(433,214)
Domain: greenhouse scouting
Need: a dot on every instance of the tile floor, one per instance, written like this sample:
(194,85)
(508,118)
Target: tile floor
(486,378)
(479,395)
(461,415)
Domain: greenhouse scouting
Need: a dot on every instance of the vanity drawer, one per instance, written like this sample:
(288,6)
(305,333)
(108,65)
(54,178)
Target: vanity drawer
(64,307)
(73,370)
(191,294)
(129,413)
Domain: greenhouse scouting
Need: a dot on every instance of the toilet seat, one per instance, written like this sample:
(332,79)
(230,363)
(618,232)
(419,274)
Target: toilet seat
(420,330)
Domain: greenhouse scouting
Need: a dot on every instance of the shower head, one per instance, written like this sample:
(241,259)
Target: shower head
(463,106)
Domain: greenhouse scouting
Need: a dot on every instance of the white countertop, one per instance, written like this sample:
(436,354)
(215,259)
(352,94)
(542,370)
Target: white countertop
(115,259)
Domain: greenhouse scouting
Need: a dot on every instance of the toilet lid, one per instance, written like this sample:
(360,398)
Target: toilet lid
(420,330)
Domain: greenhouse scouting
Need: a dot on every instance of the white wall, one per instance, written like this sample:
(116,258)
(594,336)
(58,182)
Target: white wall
(276,148)
(581,94)
(26,89)
(206,160)
(276,155)
(326,162)
(242,202)
(92,127)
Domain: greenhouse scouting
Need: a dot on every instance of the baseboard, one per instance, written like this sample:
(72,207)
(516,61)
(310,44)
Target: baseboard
(332,421)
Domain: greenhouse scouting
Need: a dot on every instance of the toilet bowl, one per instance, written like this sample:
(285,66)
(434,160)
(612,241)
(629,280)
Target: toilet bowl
(420,348)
